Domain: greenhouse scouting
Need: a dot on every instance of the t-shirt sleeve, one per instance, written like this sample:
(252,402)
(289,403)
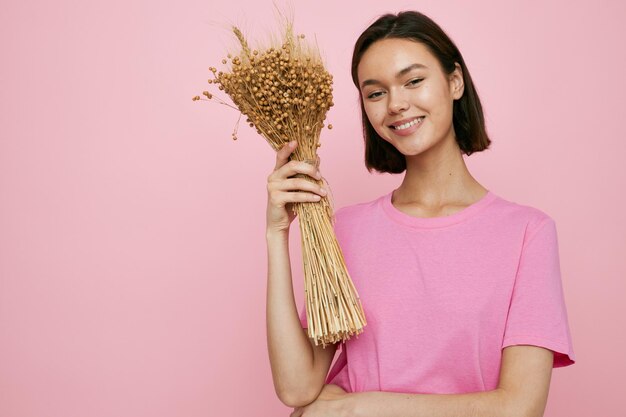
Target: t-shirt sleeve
(302,315)
(537,312)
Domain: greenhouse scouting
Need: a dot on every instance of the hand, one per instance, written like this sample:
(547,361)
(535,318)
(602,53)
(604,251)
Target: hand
(329,403)
(283,190)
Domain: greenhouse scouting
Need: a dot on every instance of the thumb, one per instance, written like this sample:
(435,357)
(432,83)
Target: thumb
(282,155)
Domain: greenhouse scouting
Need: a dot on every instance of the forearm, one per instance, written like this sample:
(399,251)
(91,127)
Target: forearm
(392,404)
(290,353)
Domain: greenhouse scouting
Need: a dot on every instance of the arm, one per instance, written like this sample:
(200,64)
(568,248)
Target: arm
(290,353)
(525,376)
(298,368)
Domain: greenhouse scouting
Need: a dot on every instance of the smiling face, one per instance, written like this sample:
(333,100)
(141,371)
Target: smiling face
(407,97)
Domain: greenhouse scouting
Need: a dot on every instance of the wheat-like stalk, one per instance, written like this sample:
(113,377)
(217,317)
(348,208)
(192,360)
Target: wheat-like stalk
(285,92)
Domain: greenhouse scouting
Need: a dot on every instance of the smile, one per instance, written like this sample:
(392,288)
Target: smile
(409,124)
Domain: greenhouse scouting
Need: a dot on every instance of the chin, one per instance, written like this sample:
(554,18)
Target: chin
(415,149)
(410,146)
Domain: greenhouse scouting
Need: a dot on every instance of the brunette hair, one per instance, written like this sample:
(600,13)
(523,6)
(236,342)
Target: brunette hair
(467,114)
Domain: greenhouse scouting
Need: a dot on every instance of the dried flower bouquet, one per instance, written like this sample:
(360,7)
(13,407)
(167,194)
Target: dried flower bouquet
(285,92)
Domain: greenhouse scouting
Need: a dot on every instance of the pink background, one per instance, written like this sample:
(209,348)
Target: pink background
(132,245)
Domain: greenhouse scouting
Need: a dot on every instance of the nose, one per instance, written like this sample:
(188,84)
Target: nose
(397,103)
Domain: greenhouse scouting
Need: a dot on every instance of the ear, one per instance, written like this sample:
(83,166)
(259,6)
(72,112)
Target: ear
(457,85)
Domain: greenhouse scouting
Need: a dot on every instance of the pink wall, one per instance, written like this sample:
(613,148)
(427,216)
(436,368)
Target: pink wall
(132,250)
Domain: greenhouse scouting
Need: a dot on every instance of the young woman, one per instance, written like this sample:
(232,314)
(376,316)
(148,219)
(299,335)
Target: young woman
(460,287)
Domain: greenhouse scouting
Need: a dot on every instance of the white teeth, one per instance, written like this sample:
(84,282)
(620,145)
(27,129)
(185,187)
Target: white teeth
(407,125)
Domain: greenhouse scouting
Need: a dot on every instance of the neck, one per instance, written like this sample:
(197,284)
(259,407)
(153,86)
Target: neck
(437,177)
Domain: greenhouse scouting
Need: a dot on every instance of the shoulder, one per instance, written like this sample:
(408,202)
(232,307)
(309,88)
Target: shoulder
(357,212)
(530,218)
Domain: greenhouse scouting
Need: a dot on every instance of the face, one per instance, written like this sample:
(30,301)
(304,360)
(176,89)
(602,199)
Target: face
(406,95)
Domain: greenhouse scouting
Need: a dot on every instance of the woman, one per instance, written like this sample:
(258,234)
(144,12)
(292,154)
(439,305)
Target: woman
(461,288)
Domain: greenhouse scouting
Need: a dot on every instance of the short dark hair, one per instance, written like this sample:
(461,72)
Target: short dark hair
(467,114)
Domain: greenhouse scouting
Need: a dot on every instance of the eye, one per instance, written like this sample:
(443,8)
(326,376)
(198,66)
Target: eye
(415,81)
(375,94)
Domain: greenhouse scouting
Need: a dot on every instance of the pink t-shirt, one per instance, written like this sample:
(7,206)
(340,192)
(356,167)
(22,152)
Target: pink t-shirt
(443,296)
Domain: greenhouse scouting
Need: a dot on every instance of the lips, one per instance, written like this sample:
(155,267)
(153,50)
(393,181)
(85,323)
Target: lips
(403,121)
(406,123)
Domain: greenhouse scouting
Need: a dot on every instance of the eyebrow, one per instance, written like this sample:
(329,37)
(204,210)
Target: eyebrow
(398,75)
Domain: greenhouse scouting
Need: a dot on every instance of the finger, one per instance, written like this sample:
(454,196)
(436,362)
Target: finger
(298,167)
(291,169)
(282,156)
(298,184)
(280,199)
